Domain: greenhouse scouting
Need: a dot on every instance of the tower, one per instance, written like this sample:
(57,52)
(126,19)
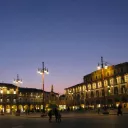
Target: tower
(52,88)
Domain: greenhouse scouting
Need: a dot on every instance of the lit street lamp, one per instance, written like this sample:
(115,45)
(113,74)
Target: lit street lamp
(17,81)
(102,66)
(42,71)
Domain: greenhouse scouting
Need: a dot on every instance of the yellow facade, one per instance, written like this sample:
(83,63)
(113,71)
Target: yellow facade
(26,98)
(104,87)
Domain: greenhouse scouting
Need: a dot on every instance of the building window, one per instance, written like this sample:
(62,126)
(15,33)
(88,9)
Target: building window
(105,82)
(80,88)
(14,92)
(116,91)
(94,85)
(97,93)
(103,93)
(99,85)
(8,92)
(1,91)
(126,78)
(7,100)
(14,100)
(112,81)
(92,94)
(118,80)
(1,100)
(89,86)
(20,99)
(84,87)
(109,91)
(123,89)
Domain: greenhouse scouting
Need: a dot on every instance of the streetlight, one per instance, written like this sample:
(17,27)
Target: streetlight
(42,71)
(102,66)
(17,81)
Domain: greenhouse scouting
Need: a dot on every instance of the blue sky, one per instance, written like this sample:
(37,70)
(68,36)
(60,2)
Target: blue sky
(70,36)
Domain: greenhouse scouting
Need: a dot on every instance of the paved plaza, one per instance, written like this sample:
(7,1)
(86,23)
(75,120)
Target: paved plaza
(69,120)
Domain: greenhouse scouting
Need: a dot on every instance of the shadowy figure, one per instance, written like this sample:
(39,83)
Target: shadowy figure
(50,116)
(98,110)
(119,112)
(56,114)
(59,117)
(68,109)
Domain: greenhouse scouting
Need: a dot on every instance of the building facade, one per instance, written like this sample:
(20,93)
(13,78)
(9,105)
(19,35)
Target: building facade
(62,102)
(104,87)
(12,99)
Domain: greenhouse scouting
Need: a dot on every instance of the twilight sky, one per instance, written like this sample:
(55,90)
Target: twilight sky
(70,36)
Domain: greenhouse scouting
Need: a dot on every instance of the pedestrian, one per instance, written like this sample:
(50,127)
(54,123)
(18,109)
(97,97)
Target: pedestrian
(50,116)
(56,114)
(26,111)
(119,112)
(98,110)
(59,117)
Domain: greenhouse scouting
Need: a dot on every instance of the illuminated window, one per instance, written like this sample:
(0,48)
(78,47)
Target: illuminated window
(126,78)
(106,83)
(80,89)
(83,87)
(1,91)
(8,92)
(14,92)
(99,84)
(118,80)
(89,86)
(111,81)
(73,89)
(94,85)
(1,100)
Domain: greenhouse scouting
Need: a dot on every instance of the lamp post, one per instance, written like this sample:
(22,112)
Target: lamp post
(42,71)
(102,66)
(17,81)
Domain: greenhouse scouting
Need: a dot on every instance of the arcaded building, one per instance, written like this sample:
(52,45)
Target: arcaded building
(104,87)
(13,98)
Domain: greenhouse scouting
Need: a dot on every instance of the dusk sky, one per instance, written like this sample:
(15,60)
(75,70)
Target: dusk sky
(70,36)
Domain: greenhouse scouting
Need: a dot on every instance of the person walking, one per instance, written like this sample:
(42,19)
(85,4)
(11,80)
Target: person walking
(50,116)
(119,112)
(59,117)
(56,114)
